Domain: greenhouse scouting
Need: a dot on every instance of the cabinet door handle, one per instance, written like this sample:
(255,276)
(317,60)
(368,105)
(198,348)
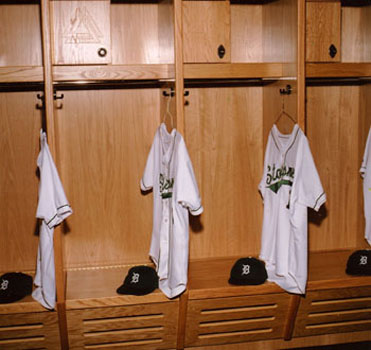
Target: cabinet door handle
(102,52)
(221,51)
(332,50)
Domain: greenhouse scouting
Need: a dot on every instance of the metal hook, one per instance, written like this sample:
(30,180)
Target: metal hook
(287,90)
(167,94)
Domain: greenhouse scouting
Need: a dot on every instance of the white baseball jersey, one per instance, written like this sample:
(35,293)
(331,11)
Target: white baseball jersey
(366,174)
(289,185)
(169,172)
(52,209)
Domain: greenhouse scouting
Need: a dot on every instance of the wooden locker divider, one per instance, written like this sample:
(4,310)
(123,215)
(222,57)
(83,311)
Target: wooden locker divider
(50,130)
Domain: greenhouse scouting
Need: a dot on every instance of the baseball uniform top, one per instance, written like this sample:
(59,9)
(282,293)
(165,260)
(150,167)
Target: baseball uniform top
(289,185)
(169,172)
(366,174)
(52,209)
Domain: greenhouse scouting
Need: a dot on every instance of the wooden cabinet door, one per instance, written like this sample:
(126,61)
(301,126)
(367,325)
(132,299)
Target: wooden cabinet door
(323,31)
(81,32)
(206,31)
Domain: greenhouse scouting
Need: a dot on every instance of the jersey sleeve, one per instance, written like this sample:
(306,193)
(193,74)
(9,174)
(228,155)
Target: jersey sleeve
(312,194)
(146,182)
(53,206)
(186,185)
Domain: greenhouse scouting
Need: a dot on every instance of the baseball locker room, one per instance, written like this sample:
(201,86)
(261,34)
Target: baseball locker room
(90,90)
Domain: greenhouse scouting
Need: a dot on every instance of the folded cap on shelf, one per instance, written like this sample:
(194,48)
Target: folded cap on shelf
(140,280)
(248,271)
(359,263)
(14,286)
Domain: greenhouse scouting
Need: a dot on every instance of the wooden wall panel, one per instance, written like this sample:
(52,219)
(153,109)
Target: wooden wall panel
(104,138)
(246,33)
(223,132)
(20,123)
(355,34)
(332,128)
(20,43)
(135,34)
(280,32)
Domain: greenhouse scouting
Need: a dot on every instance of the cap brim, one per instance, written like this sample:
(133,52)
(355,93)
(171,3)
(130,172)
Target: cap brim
(133,291)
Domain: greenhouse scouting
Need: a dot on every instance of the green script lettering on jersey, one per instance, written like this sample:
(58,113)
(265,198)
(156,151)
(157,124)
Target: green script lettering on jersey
(277,177)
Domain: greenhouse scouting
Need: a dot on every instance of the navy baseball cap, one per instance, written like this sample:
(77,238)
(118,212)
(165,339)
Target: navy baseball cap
(14,286)
(248,271)
(140,280)
(359,263)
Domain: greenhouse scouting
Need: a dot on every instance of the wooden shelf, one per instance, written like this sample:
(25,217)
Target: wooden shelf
(96,287)
(209,278)
(21,74)
(233,70)
(327,270)
(340,70)
(26,305)
(114,72)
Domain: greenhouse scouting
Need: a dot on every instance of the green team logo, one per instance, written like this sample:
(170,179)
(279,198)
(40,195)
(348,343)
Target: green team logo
(279,177)
(166,186)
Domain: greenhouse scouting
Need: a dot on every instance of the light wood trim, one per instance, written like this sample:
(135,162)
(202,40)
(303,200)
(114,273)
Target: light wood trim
(21,74)
(114,72)
(301,65)
(340,70)
(233,70)
(179,67)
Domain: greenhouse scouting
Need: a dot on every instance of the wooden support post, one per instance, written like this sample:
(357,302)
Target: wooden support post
(291,316)
(183,303)
(50,129)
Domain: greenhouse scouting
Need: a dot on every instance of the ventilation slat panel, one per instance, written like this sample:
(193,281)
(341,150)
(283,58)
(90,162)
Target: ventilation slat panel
(338,316)
(334,311)
(123,335)
(235,319)
(239,313)
(31,331)
(123,323)
(119,327)
(340,304)
(23,344)
(233,326)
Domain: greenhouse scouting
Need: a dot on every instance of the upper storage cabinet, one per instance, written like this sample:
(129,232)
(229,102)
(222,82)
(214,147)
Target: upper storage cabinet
(239,31)
(323,31)
(338,31)
(116,32)
(206,31)
(81,32)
